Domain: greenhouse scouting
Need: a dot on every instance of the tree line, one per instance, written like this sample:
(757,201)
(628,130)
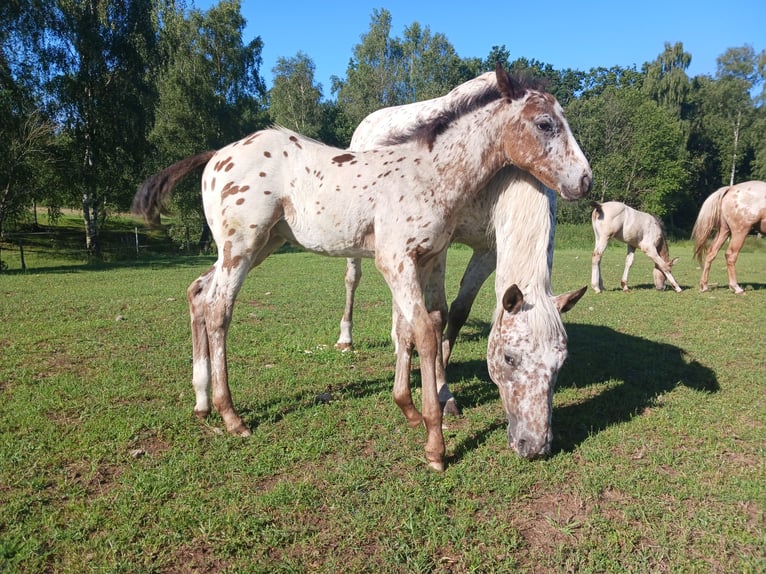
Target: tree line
(95,95)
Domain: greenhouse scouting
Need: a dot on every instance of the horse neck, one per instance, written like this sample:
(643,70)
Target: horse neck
(469,153)
(524,223)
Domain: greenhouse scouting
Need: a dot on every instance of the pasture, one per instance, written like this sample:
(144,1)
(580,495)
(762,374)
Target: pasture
(658,460)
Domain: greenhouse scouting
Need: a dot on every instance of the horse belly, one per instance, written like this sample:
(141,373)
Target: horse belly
(334,235)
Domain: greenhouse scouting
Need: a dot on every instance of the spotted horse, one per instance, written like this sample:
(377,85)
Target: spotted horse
(398,204)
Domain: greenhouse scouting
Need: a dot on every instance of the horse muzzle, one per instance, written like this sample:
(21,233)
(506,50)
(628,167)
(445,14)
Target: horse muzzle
(528,446)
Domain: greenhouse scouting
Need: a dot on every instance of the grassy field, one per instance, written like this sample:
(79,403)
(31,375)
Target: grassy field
(659,418)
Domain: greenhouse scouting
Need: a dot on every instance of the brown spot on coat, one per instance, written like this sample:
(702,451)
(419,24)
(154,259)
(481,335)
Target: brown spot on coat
(343,158)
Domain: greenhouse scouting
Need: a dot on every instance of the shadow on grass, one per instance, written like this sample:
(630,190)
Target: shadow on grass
(637,370)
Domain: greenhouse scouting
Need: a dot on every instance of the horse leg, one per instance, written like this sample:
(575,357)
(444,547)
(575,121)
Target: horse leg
(732,253)
(436,303)
(628,263)
(664,267)
(196,294)
(479,268)
(715,246)
(595,275)
(401,334)
(230,273)
(353,276)
(407,292)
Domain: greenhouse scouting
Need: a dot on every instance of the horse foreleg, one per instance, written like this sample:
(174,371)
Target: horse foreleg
(403,346)
(732,253)
(353,276)
(628,263)
(407,294)
(436,303)
(196,294)
(479,268)
(715,246)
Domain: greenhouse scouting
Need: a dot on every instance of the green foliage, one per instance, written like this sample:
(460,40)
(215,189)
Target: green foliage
(294,100)
(637,149)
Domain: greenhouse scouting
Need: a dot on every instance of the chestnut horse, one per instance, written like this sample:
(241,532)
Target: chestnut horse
(637,229)
(732,210)
(397,204)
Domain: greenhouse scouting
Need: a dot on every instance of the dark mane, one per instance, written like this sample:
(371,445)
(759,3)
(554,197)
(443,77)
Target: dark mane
(427,132)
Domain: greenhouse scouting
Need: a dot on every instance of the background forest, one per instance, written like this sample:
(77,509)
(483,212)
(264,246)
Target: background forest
(97,95)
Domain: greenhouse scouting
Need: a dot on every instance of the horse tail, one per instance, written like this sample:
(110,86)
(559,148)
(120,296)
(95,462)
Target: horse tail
(153,193)
(707,220)
(597,210)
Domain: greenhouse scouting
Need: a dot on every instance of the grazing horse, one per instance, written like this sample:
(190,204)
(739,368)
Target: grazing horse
(636,228)
(474,228)
(398,204)
(733,210)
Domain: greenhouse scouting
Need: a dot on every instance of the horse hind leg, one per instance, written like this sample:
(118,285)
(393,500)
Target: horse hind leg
(596,281)
(352,279)
(712,252)
(628,264)
(732,253)
(196,294)
(230,273)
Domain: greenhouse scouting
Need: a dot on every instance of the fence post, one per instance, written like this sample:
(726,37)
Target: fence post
(136,228)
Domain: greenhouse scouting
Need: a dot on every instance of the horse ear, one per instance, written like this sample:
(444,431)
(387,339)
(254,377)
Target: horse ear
(509,88)
(673,261)
(513,299)
(566,301)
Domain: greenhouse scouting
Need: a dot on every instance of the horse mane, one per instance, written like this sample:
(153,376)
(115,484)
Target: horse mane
(427,132)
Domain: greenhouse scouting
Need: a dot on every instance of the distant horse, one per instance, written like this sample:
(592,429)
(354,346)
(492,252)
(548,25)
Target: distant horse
(733,210)
(474,222)
(639,230)
(398,204)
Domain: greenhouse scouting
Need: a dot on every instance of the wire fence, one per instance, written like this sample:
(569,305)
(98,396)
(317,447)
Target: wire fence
(21,251)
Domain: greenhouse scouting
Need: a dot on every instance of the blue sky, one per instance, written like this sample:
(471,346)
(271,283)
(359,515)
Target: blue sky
(566,34)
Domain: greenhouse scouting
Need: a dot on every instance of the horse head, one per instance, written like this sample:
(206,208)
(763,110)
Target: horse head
(538,139)
(524,359)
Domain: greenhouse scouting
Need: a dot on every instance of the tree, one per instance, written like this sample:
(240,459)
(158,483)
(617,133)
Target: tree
(98,54)
(388,71)
(295,101)
(666,81)
(373,72)
(636,149)
(210,94)
(25,131)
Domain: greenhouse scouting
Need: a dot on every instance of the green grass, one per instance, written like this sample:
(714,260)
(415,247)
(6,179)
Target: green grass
(658,462)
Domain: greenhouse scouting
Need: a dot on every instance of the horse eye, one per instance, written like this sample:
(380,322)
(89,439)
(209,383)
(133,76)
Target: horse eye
(511,360)
(545,126)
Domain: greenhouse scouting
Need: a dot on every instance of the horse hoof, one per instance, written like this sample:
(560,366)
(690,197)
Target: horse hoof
(240,430)
(451,409)
(437,466)
(344,346)
(201,414)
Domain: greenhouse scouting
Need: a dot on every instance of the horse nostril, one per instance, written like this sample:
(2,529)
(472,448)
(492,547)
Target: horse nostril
(586,183)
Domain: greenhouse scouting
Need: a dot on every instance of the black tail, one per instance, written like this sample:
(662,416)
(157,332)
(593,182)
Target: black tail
(153,193)
(596,209)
